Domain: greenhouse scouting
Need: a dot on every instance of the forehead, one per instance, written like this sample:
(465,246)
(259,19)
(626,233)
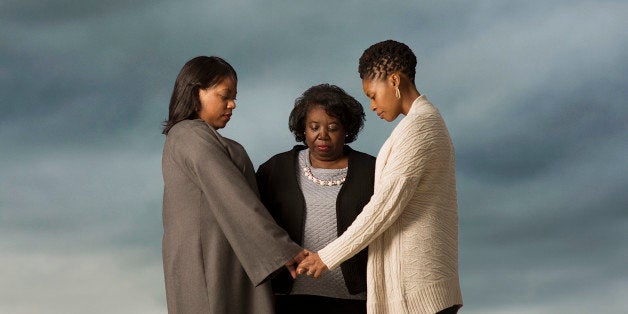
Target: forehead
(317,112)
(227,83)
(370,85)
(366,84)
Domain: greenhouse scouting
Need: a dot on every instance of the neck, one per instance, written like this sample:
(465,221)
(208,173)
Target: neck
(337,163)
(409,94)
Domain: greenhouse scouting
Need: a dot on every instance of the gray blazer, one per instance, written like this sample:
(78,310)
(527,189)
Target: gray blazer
(220,244)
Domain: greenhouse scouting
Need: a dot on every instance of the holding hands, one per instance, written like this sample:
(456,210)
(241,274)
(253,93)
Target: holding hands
(306,262)
(292,264)
(312,265)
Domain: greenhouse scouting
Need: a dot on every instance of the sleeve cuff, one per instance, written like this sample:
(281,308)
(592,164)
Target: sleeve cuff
(330,258)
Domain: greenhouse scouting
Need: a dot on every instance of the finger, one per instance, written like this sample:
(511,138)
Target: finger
(306,263)
(318,272)
(292,271)
(301,256)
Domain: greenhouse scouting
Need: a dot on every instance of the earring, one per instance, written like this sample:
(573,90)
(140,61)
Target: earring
(397,93)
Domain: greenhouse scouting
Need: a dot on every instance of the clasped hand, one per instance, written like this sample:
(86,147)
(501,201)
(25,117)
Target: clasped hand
(306,262)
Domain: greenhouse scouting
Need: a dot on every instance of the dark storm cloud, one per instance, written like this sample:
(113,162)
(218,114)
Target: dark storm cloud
(547,129)
(538,118)
(43,13)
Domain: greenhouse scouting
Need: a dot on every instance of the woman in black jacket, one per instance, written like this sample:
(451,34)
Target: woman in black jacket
(315,192)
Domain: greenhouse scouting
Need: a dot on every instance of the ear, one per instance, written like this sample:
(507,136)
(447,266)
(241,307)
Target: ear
(394,79)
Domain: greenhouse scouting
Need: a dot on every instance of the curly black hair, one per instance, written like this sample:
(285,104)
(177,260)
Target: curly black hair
(336,102)
(385,58)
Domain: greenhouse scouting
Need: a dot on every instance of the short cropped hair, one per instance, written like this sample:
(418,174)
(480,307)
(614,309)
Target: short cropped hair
(385,58)
(336,102)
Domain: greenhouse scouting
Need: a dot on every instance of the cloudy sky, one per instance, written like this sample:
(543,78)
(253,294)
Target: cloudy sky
(533,92)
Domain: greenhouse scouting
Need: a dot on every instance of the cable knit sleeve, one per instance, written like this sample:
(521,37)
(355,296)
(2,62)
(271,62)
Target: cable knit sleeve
(394,187)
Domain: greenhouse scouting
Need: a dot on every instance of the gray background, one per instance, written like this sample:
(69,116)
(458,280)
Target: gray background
(534,94)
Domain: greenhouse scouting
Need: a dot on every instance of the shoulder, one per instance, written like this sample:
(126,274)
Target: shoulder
(192,138)
(282,159)
(361,161)
(187,128)
(360,156)
(184,125)
(422,112)
(233,143)
(422,119)
(284,156)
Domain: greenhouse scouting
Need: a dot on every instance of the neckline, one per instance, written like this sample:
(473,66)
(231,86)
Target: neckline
(308,163)
(306,170)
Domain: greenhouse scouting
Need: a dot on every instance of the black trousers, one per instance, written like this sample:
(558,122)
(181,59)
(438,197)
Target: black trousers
(313,304)
(450,310)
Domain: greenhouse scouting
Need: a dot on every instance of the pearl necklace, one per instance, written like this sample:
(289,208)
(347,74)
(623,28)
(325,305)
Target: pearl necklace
(308,174)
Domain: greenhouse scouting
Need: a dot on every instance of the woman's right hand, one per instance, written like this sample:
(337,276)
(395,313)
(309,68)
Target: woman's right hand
(294,262)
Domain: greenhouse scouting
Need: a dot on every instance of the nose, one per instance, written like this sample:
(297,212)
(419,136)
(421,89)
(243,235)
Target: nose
(323,134)
(231,104)
(372,106)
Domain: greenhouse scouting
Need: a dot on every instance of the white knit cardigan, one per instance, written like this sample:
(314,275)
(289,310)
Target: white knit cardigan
(411,222)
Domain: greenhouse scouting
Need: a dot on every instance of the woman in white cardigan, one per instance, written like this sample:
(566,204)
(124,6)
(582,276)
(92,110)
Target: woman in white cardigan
(410,224)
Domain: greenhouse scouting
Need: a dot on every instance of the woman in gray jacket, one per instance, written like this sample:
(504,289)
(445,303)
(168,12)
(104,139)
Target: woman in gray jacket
(220,245)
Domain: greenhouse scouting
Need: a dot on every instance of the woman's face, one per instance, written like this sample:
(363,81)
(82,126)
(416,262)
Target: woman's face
(324,135)
(217,103)
(384,102)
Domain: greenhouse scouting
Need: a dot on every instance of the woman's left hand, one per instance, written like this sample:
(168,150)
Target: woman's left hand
(313,265)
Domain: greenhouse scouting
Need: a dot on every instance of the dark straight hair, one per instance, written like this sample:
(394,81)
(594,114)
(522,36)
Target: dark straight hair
(198,73)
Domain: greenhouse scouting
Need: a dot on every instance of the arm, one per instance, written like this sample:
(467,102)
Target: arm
(261,246)
(396,185)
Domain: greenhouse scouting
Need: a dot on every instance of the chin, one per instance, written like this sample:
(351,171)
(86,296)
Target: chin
(391,119)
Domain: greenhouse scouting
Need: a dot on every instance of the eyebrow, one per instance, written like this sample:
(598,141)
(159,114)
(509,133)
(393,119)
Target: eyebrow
(229,90)
(334,121)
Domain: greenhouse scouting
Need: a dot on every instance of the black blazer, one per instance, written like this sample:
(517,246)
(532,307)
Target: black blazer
(281,194)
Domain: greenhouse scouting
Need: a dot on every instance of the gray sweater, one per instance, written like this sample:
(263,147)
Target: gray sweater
(320,229)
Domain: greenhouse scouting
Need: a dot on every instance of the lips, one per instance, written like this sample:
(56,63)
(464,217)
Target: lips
(227,116)
(322,148)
